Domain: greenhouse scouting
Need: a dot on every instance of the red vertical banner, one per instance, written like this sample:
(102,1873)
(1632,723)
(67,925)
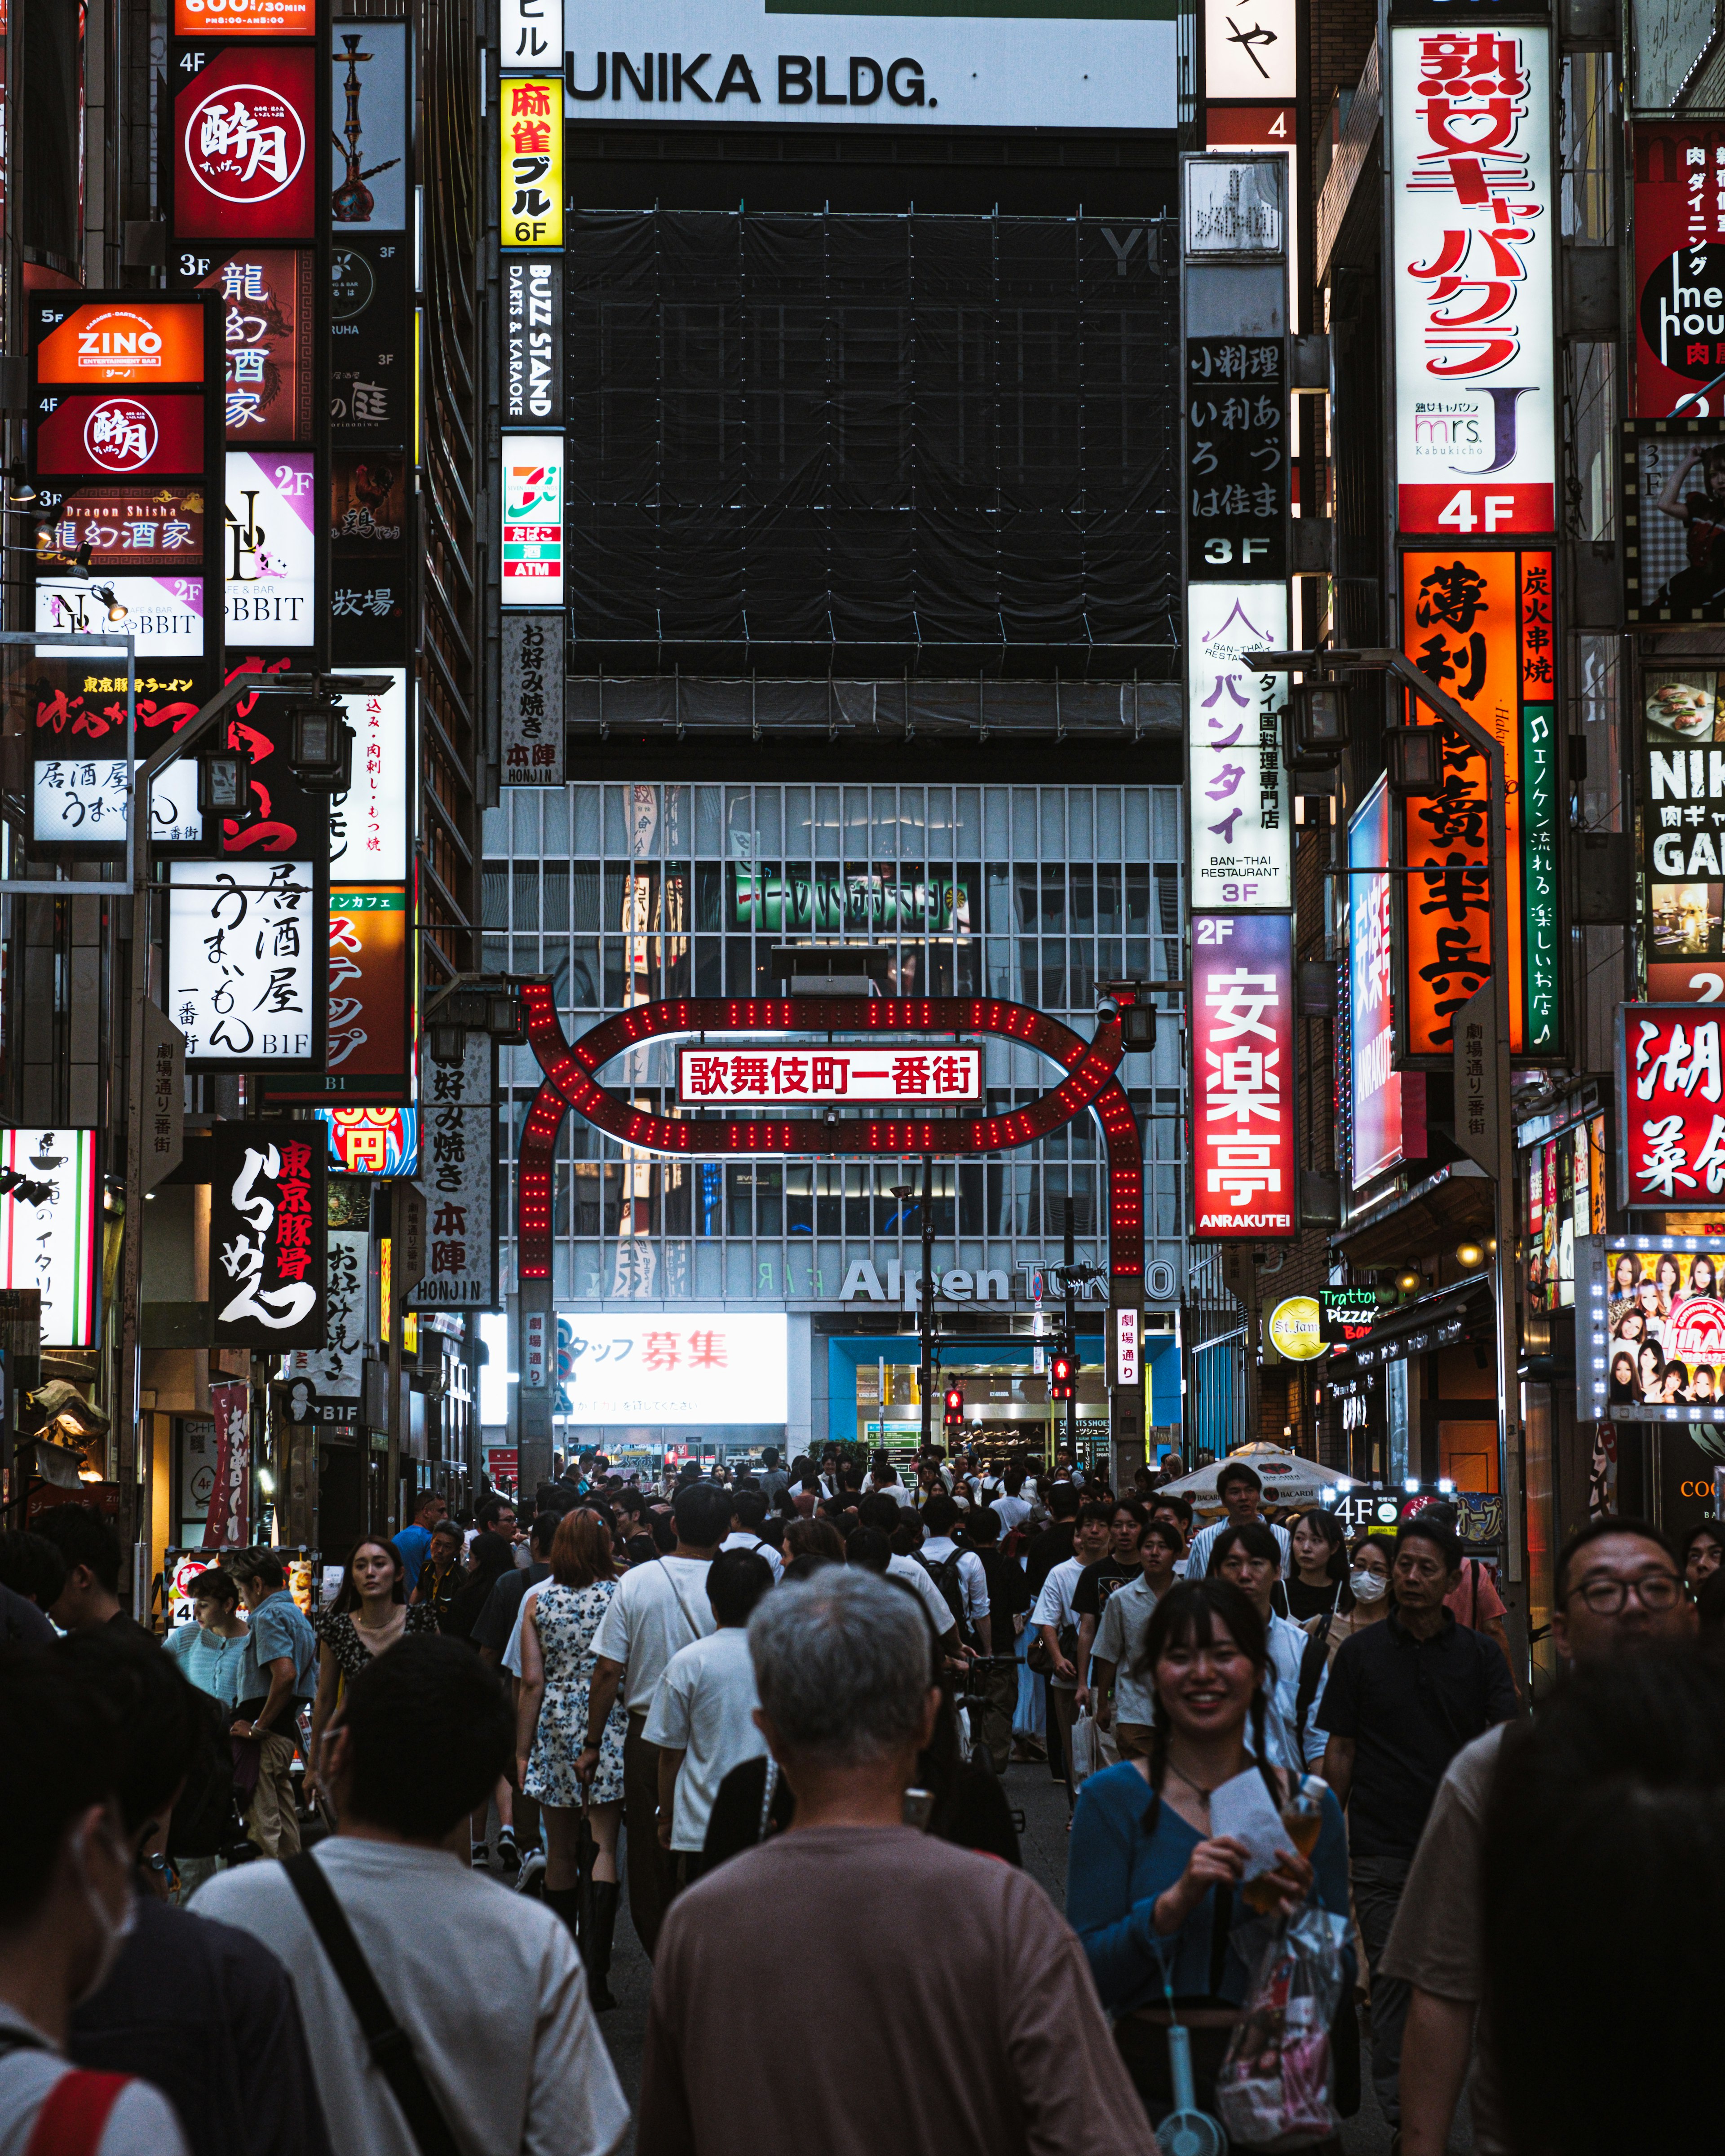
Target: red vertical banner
(228,1523)
(1244,1159)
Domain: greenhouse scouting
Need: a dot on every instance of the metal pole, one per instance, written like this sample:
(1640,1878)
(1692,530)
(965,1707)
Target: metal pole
(924,1308)
(393,1493)
(1072,1301)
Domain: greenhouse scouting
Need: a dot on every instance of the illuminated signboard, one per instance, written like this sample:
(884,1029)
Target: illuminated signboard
(122,434)
(691,1366)
(1348,1314)
(530,142)
(164,613)
(774,1077)
(1244,1162)
(244,982)
(369,824)
(1387,1106)
(125,527)
(373,1141)
(145,344)
(1475,216)
(271,512)
(244,128)
(774,901)
(51,1243)
(1681,790)
(1650,1329)
(245,18)
(267,318)
(1479,626)
(533,520)
(1671,1095)
(1242,834)
(1680,267)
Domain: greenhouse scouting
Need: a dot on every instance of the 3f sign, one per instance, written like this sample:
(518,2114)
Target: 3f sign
(1220,551)
(1456,515)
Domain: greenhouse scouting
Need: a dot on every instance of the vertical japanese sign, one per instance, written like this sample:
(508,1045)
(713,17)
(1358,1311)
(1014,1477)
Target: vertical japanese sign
(1241,848)
(530,35)
(1679,269)
(268,1226)
(1387,1106)
(50,1232)
(532,700)
(243,937)
(1475,1073)
(1479,627)
(1243,1128)
(1237,489)
(228,1523)
(332,1371)
(1671,1078)
(456,1149)
(1472,217)
(164,1096)
(530,143)
(532,342)
(533,520)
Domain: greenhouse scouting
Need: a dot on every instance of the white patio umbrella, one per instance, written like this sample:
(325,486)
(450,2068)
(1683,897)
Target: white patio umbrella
(1288,1479)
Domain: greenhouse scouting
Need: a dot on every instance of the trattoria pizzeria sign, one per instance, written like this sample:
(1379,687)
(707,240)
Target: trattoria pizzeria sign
(752,1075)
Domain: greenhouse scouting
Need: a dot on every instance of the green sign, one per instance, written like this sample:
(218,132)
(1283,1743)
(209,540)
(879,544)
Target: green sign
(1539,873)
(777,902)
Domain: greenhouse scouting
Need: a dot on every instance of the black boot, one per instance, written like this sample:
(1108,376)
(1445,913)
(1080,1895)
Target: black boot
(565,1901)
(602,1923)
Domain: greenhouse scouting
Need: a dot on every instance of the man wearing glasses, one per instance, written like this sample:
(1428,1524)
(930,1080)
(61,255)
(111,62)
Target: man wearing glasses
(1618,1588)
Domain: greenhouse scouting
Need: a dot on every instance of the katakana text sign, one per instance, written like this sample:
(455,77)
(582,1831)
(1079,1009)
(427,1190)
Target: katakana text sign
(531,139)
(246,946)
(1242,842)
(268,1230)
(1473,211)
(693,1366)
(1245,1165)
(774,1077)
(1680,268)
(52,1244)
(1479,627)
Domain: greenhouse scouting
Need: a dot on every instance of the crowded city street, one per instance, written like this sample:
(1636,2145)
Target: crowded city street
(862,1118)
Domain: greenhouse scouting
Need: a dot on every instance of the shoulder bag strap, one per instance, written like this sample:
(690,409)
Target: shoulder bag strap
(74,2114)
(390,2047)
(683,1608)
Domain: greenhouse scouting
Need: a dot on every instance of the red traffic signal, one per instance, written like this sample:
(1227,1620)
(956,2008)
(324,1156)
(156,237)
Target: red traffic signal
(1063,1376)
(955,1407)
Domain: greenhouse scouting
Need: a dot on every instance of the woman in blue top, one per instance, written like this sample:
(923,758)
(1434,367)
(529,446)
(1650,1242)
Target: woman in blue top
(1149,1891)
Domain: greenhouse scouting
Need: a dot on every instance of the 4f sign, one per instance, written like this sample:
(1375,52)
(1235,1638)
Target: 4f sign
(1128,1369)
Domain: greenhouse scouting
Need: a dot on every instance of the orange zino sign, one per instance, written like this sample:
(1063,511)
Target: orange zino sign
(1480,626)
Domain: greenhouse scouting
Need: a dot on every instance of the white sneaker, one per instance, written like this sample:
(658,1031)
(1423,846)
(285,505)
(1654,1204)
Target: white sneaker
(532,1871)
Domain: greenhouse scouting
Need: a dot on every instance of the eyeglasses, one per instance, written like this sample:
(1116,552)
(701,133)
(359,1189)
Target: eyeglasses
(1656,1591)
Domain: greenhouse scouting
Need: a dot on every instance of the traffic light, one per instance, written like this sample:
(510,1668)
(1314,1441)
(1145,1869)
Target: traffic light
(1062,1375)
(955,1407)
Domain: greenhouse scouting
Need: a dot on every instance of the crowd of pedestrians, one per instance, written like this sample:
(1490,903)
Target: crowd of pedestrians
(253,1879)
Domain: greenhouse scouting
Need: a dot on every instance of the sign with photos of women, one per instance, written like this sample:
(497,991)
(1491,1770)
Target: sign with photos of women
(1655,1325)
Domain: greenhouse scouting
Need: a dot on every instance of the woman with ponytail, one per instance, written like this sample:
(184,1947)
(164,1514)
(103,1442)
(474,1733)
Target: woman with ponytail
(1150,1892)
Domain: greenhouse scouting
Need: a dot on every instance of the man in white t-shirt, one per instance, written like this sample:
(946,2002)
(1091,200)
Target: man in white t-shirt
(657,1609)
(1053,1615)
(65,1905)
(1012,1509)
(940,1515)
(1247,1556)
(1242,1494)
(500,2025)
(748,1529)
(702,1716)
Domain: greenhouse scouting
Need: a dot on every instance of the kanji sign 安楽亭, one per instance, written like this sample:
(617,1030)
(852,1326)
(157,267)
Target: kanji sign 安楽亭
(1479,627)
(1245,1165)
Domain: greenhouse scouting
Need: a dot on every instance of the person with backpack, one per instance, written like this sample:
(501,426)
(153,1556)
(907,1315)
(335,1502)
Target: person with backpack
(66,1910)
(994,1678)
(958,1574)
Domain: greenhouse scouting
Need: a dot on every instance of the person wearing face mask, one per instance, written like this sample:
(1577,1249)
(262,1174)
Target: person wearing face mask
(66,1909)
(1364,1600)
(203,2010)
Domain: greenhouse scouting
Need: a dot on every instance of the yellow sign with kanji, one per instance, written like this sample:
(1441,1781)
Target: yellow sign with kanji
(531,137)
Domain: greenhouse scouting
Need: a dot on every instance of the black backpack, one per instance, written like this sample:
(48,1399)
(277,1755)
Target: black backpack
(1311,1670)
(945,1576)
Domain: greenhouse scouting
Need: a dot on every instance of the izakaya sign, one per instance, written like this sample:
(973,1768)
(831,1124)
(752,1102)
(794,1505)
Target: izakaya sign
(706,1074)
(243,940)
(1670,1091)
(1473,211)
(268,1225)
(1245,1161)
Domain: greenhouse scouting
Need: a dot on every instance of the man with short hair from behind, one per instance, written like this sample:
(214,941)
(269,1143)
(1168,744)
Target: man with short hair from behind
(1617,1590)
(486,1986)
(658,1608)
(702,1716)
(414,1539)
(89,1594)
(277,1676)
(748,1529)
(932,1942)
(65,1910)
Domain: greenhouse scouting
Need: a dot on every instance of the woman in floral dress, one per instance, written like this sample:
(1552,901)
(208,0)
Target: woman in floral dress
(366,1620)
(557,1626)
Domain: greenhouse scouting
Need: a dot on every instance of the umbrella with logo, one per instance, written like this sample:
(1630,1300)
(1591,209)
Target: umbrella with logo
(1288,1479)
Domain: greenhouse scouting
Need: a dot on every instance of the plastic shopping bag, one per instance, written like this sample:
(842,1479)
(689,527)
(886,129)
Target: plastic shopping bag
(1273,2089)
(1086,1752)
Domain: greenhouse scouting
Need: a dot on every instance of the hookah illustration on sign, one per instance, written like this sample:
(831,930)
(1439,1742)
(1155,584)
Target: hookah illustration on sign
(352,202)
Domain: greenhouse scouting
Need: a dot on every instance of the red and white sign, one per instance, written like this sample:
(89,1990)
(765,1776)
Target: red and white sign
(245,18)
(155,342)
(1474,208)
(1127,1369)
(121,436)
(775,1079)
(1244,1162)
(536,1335)
(227,1524)
(1679,269)
(243,134)
(1670,1085)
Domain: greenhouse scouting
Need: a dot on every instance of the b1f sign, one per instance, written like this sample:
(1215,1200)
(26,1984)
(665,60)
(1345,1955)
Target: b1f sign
(1473,213)
(1243,1157)
(1128,1370)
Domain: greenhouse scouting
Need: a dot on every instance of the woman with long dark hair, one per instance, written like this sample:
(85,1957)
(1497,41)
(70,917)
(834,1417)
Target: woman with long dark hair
(1151,1892)
(369,1615)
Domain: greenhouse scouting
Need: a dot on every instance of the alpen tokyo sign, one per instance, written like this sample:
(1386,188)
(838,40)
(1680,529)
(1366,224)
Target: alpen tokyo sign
(708,1074)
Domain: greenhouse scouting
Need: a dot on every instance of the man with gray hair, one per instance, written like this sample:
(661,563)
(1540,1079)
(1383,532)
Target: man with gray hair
(949,1972)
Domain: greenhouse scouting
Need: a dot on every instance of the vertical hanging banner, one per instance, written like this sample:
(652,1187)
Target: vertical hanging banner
(1386,1106)
(1244,1159)
(1680,262)
(532,700)
(459,1124)
(268,1228)
(1472,217)
(532,342)
(533,520)
(530,36)
(228,1523)
(530,143)
(1241,848)
(1479,627)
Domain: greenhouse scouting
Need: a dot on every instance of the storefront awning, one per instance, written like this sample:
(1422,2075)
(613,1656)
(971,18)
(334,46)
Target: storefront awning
(1430,1320)
(1447,1208)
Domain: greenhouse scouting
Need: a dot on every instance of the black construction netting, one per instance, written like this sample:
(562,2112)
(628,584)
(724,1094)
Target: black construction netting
(821,429)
